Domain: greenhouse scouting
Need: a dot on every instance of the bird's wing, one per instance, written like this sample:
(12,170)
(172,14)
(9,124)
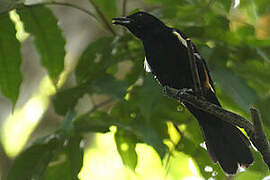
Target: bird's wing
(208,83)
(201,62)
(147,66)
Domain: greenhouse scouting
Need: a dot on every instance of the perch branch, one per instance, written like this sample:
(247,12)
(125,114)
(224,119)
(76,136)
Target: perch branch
(230,117)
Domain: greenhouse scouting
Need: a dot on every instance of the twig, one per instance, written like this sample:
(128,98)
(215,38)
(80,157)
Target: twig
(178,130)
(97,106)
(92,15)
(259,139)
(194,69)
(103,18)
(124,7)
(65,4)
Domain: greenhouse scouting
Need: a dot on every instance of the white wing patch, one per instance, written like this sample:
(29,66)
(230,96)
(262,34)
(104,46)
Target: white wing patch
(147,66)
(197,55)
(182,40)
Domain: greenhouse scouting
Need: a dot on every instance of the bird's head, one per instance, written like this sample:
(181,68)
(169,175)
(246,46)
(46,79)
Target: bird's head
(140,24)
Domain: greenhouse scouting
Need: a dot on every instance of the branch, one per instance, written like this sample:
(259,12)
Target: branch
(184,96)
(260,140)
(124,7)
(254,131)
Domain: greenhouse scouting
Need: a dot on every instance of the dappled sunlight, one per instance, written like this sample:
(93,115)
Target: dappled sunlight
(102,161)
(192,167)
(21,123)
(21,35)
(149,164)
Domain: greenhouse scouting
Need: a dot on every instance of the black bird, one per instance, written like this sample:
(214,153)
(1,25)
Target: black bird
(167,58)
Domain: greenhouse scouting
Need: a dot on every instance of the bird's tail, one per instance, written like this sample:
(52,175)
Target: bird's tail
(225,143)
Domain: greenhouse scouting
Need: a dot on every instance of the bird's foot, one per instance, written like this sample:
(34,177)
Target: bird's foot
(175,93)
(184,90)
(188,90)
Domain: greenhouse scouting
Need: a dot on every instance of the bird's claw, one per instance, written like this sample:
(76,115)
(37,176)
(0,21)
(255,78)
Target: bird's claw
(187,90)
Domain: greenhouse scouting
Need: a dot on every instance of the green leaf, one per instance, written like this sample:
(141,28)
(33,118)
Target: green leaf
(190,145)
(262,6)
(108,85)
(59,171)
(216,26)
(97,121)
(249,175)
(201,157)
(75,155)
(146,96)
(42,24)
(222,52)
(168,109)
(10,60)
(242,36)
(67,99)
(95,59)
(257,170)
(126,144)
(67,124)
(127,116)
(227,4)
(260,70)
(235,87)
(109,8)
(265,113)
(136,70)
(68,161)
(32,163)
(151,137)
(124,112)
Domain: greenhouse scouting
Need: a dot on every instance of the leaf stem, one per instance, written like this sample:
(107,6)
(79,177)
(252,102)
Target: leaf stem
(97,106)
(103,18)
(68,5)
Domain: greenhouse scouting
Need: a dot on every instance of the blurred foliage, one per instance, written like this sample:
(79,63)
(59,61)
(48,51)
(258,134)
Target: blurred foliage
(227,38)
(10,60)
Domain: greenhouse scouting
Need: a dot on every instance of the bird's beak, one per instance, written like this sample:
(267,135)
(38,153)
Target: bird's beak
(124,21)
